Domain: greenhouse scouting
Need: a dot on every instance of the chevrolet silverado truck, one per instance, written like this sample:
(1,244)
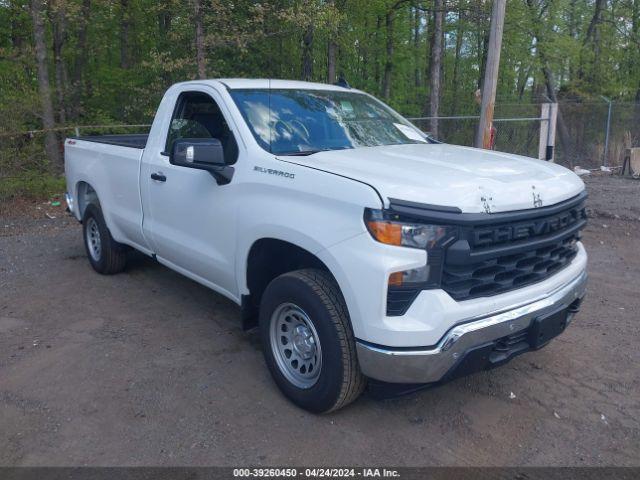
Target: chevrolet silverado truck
(361,248)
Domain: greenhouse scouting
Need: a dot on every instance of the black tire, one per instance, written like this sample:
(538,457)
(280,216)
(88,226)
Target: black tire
(112,256)
(340,380)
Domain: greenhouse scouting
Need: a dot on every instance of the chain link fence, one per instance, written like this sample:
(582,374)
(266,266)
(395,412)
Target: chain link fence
(588,134)
(591,134)
(516,128)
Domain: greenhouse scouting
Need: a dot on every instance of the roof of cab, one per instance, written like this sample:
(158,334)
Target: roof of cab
(263,83)
(238,83)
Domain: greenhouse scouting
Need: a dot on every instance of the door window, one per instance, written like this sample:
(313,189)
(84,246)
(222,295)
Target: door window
(197,115)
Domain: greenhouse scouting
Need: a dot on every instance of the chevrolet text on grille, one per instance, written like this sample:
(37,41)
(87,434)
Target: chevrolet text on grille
(533,228)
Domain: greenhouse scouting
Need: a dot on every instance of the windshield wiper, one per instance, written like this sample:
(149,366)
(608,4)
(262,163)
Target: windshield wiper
(304,153)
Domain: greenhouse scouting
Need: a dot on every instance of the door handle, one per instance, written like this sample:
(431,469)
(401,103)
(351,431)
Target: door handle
(159,177)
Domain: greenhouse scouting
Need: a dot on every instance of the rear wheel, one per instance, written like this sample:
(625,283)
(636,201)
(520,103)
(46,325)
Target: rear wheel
(106,256)
(307,341)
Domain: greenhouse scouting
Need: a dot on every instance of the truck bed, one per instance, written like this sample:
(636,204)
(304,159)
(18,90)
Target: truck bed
(136,140)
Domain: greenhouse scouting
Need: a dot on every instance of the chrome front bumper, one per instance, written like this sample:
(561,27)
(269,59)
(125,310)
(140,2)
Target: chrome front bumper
(431,364)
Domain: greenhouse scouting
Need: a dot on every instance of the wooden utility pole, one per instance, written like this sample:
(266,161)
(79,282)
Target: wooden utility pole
(483,135)
(435,70)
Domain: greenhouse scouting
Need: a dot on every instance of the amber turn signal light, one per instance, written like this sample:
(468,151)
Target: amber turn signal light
(395,279)
(386,232)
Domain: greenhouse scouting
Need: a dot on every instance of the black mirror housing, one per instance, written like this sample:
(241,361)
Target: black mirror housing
(202,154)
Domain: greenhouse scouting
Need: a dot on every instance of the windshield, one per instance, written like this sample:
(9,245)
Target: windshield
(302,122)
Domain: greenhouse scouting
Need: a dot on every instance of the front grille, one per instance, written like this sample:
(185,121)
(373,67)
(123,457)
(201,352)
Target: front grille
(491,253)
(504,273)
(477,267)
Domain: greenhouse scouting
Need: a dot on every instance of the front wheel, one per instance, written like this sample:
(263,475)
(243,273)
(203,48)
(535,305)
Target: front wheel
(307,341)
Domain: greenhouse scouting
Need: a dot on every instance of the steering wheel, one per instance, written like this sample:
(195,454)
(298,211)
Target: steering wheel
(301,129)
(281,126)
(295,129)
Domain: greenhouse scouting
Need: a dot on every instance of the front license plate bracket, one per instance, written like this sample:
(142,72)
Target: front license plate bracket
(546,328)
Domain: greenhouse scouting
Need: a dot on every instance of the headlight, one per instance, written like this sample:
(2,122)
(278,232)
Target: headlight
(392,230)
(404,286)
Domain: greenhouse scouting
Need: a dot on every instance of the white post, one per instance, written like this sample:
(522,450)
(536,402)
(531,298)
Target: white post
(551,137)
(546,150)
(544,131)
(605,153)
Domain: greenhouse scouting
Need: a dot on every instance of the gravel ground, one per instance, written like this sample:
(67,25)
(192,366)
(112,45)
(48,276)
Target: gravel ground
(613,197)
(149,368)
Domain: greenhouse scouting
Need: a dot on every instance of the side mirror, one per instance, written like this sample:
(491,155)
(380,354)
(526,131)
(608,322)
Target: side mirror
(202,154)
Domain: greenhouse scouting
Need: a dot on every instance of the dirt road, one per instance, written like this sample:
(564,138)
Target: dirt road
(149,368)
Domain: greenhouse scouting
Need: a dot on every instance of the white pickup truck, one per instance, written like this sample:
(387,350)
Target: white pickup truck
(360,247)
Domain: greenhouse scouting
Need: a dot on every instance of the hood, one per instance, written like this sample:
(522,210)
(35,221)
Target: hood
(470,179)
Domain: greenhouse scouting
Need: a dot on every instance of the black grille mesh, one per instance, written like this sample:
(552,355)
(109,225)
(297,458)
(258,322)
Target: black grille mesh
(503,273)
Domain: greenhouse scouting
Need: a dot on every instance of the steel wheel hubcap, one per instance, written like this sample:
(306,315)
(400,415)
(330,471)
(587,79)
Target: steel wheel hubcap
(295,345)
(93,239)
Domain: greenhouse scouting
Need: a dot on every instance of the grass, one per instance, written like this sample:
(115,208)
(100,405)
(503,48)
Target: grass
(32,185)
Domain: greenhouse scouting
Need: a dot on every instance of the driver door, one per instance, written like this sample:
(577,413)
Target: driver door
(190,218)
